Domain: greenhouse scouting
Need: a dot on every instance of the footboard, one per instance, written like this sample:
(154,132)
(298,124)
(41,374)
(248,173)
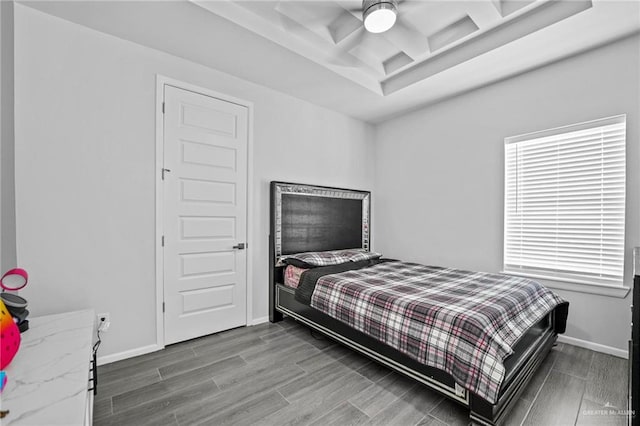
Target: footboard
(529,353)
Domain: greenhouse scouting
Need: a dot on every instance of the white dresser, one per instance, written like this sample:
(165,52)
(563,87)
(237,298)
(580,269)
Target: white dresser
(48,380)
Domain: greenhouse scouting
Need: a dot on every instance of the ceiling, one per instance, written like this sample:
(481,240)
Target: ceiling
(318,50)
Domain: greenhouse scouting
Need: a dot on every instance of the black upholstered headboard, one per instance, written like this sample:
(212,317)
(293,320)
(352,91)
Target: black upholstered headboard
(313,218)
(317,218)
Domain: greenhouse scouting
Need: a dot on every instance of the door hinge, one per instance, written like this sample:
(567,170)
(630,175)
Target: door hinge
(163,107)
(162,306)
(163,241)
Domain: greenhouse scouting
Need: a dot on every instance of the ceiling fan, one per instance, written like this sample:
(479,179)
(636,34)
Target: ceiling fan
(377,16)
(385,16)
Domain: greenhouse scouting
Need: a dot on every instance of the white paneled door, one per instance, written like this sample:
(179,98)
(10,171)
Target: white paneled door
(205,214)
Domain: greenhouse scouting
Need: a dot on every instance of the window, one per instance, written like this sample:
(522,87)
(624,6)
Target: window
(565,203)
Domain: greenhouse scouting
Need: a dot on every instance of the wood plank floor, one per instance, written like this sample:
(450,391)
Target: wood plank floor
(281,374)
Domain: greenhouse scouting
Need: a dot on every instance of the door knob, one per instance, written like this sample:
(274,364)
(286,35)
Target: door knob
(240,246)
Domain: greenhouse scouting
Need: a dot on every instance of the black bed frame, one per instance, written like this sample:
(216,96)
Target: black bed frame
(316,218)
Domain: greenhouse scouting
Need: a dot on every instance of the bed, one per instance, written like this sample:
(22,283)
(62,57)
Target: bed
(309,218)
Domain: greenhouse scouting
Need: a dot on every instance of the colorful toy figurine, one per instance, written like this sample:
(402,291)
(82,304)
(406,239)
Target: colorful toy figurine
(9,337)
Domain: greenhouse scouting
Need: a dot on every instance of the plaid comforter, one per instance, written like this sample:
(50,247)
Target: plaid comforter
(464,323)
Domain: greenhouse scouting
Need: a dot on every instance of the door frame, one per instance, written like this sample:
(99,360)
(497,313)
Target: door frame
(161,82)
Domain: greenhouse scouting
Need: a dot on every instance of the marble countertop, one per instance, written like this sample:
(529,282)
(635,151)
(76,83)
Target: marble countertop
(48,378)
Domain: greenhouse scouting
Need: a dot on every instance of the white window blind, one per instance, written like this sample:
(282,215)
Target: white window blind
(565,203)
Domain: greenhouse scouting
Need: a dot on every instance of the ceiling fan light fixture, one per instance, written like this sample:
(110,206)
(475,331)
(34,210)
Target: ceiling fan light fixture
(379,15)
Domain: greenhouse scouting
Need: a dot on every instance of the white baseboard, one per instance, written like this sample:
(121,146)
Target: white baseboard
(261,320)
(108,359)
(622,353)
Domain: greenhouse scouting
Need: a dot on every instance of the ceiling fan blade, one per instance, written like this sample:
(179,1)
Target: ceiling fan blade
(343,26)
(352,40)
(342,57)
(408,39)
(352,6)
(302,19)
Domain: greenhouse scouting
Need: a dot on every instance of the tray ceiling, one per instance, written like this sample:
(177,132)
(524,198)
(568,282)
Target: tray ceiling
(429,36)
(319,52)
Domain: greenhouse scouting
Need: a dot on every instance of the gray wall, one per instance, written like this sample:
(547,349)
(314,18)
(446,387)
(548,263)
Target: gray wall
(440,170)
(85,168)
(7,189)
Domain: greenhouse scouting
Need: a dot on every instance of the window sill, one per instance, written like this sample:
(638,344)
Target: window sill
(599,289)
